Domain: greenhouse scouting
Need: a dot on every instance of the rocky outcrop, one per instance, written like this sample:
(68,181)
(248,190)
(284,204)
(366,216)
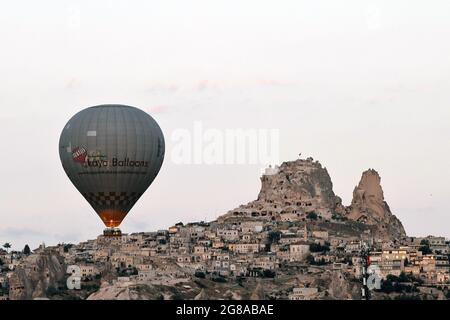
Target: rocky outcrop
(303,184)
(202,295)
(258,293)
(291,191)
(296,188)
(33,278)
(126,292)
(369,207)
(342,289)
(130,290)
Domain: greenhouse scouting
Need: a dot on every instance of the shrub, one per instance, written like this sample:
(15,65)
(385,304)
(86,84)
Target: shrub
(274,236)
(51,291)
(393,283)
(269,273)
(219,279)
(312,216)
(425,250)
(316,247)
(200,274)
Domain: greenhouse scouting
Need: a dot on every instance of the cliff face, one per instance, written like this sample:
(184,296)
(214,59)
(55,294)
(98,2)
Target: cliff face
(296,188)
(369,207)
(303,184)
(38,273)
(132,292)
(340,288)
(291,191)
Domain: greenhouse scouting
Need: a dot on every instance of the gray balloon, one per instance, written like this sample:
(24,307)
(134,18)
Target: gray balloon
(112,154)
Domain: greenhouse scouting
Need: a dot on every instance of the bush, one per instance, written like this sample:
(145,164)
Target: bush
(312,216)
(316,247)
(67,247)
(404,277)
(219,279)
(394,284)
(348,260)
(3,290)
(200,274)
(26,250)
(274,236)
(91,287)
(269,273)
(128,272)
(425,250)
(51,291)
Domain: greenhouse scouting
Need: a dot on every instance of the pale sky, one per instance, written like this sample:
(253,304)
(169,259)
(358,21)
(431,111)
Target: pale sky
(354,84)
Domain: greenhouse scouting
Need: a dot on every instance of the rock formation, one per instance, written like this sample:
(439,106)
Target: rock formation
(296,188)
(40,272)
(202,295)
(258,293)
(369,207)
(340,288)
(291,191)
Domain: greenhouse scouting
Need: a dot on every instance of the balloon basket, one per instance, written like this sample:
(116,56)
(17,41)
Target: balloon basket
(112,232)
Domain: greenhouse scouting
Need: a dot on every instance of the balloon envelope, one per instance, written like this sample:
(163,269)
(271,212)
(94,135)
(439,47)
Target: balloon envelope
(112,153)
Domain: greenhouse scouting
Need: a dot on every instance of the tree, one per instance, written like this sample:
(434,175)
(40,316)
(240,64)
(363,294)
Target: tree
(7,246)
(310,259)
(399,284)
(67,247)
(387,286)
(51,291)
(274,236)
(26,250)
(269,273)
(404,277)
(348,260)
(312,216)
(317,247)
(219,278)
(425,250)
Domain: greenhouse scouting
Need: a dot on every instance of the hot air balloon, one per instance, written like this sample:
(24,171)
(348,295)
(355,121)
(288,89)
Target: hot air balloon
(111,153)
